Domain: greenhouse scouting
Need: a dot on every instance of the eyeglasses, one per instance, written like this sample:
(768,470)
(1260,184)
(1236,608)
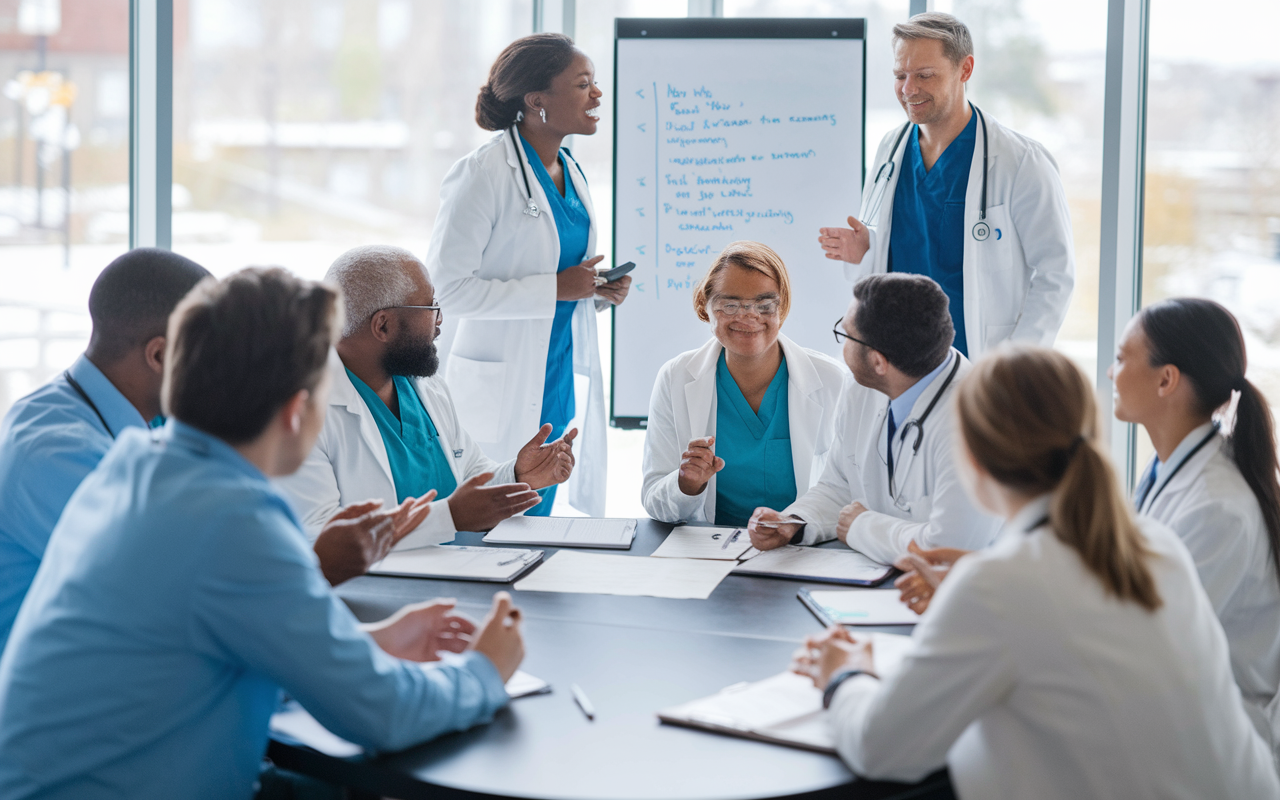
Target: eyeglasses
(732,308)
(436,309)
(840,335)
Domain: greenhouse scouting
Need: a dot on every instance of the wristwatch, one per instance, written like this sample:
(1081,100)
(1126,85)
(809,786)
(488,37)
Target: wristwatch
(839,678)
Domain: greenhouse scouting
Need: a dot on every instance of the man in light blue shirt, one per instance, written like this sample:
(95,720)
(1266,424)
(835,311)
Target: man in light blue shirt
(52,438)
(179,595)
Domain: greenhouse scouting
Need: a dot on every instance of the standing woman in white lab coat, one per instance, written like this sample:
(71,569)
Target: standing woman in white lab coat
(1179,364)
(1078,656)
(513,254)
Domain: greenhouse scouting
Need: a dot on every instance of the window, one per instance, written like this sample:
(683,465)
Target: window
(1212,215)
(64,162)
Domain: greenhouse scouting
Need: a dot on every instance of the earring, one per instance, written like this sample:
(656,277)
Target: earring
(519,116)
(543,112)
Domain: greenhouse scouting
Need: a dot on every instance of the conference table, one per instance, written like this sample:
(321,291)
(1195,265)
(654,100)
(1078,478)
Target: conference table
(631,656)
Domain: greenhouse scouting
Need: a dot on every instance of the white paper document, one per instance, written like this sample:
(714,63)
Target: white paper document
(861,607)
(717,544)
(597,573)
(822,565)
(454,562)
(614,534)
(784,709)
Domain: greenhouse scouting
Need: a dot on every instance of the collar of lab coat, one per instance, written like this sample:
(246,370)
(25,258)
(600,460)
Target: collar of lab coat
(700,392)
(1026,520)
(1190,472)
(539,196)
(922,402)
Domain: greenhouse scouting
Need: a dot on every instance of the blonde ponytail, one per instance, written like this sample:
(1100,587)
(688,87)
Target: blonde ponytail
(1028,416)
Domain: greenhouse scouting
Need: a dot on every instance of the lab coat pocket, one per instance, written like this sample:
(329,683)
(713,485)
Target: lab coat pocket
(479,387)
(1001,241)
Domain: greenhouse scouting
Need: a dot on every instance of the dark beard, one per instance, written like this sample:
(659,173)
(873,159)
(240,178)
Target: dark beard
(411,356)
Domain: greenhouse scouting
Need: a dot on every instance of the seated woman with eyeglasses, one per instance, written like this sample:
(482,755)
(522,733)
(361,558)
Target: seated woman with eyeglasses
(746,419)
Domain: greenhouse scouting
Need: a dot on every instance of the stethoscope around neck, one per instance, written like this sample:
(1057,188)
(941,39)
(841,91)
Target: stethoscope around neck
(916,424)
(531,205)
(981,230)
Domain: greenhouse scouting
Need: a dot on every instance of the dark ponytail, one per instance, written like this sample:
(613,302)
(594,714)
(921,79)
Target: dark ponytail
(527,65)
(1203,340)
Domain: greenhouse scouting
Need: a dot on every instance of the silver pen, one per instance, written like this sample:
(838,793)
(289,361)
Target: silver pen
(728,540)
(580,697)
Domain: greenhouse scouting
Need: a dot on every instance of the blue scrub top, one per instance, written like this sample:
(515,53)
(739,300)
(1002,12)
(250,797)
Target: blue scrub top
(573,225)
(756,448)
(418,463)
(927,236)
(177,597)
(49,441)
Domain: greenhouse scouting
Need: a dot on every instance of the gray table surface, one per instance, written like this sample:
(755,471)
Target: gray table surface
(632,656)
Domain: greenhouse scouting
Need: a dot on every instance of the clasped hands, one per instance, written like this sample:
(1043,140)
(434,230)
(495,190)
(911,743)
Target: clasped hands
(836,650)
(923,571)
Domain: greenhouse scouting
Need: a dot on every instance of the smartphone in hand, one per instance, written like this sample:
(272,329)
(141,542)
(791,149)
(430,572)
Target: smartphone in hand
(611,275)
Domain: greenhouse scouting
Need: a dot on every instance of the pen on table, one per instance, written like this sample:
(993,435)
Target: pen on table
(580,698)
(728,540)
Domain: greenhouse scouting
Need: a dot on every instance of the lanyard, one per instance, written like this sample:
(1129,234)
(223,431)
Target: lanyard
(1199,446)
(85,396)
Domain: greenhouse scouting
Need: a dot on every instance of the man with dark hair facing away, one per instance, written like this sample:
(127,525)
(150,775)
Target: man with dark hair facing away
(890,484)
(178,595)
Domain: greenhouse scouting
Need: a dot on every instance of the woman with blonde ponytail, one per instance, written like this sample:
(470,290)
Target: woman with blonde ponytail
(1076,657)
(1212,480)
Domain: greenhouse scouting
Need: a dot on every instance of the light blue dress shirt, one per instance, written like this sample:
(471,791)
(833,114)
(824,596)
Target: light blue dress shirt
(418,463)
(177,597)
(49,441)
(756,448)
(573,227)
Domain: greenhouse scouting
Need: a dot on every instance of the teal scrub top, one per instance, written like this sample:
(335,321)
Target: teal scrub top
(756,448)
(418,462)
(573,226)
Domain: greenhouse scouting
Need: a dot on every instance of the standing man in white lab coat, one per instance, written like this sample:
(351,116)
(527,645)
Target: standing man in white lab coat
(957,196)
(890,478)
(391,431)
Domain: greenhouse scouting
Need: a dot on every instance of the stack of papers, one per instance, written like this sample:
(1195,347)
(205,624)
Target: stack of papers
(596,573)
(785,709)
(615,534)
(859,607)
(717,544)
(454,562)
(820,565)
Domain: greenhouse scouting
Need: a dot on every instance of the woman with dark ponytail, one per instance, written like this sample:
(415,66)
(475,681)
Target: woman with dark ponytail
(513,258)
(1078,656)
(1213,479)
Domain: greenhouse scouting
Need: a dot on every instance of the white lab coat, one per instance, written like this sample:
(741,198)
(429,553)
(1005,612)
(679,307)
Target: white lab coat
(683,408)
(349,461)
(1017,283)
(1211,508)
(495,271)
(1031,681)
(932,508)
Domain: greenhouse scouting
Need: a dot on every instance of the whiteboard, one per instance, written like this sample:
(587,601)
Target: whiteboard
(727,130)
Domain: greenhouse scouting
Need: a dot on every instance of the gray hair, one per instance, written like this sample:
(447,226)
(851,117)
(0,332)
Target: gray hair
(957,44)
(372,277)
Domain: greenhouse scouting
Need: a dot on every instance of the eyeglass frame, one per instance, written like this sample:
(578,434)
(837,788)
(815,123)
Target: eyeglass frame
(839,333)
(747,307)
(425,308)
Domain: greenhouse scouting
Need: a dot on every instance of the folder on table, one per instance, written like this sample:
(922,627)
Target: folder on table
(612,534)
(459,563)
(816,564)
(785,709)
(858,607)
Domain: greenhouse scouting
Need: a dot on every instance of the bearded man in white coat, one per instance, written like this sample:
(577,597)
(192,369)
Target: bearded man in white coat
(890,478)
(391,431)
(957,196)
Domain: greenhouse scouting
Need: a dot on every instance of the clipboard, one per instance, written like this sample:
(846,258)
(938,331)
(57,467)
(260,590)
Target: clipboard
(876,607)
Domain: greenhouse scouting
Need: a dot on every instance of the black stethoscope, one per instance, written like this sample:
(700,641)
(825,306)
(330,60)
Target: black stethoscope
(981,230)
(918,424)
(1142,501)
(531,206)
(85,396)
